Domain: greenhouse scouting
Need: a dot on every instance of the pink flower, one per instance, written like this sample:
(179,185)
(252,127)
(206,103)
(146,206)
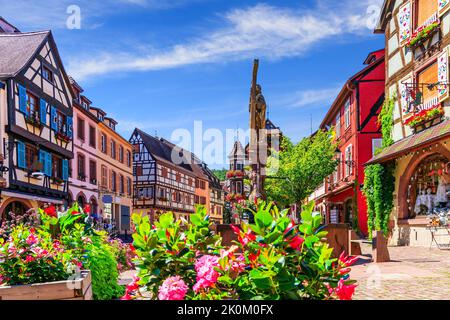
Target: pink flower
(173,288)
(206,275)
(29,259)
(345,292)
(32,239)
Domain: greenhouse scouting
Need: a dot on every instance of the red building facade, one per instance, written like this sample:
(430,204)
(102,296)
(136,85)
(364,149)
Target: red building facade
(354,116)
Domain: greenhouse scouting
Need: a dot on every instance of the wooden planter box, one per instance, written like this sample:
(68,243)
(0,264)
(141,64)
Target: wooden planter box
(77,289)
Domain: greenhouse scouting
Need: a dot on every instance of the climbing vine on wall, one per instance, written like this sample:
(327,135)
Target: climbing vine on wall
(379,180)
(386,121)
(379,184)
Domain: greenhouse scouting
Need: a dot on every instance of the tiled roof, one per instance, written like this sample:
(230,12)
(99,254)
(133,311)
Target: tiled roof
(238,150)
(17,49)
(414,141)
(161,149)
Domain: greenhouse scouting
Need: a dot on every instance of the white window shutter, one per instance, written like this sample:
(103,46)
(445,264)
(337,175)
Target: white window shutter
(444,6)
(404,95)
(405,22)
(443,76)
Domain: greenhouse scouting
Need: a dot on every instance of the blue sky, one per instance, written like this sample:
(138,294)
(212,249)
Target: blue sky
(161,65)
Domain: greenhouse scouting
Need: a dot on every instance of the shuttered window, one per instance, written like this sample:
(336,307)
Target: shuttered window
(425,9)
(57,167)
(81,167)
(427,76)
(104,177)
(80,129)
(93,171)
(92,136)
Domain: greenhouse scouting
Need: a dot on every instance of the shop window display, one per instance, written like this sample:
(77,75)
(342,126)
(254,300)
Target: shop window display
(428,193)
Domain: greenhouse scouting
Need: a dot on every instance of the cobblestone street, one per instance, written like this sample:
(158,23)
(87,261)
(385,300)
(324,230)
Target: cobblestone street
(415,273)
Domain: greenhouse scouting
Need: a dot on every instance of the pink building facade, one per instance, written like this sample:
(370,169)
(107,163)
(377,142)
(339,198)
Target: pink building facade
(83,168)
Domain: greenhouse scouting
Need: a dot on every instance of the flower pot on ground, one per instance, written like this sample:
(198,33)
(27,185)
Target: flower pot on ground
(77,287)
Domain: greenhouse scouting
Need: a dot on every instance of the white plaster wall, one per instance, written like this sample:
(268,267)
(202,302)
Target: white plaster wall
(395,64)
(392,44)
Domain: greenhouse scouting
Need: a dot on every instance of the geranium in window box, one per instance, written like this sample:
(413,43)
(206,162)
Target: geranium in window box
(62,136)
(57,180)
(33,119)
(425,119)
(422,34)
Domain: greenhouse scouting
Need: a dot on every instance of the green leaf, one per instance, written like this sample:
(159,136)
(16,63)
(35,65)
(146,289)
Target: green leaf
(263,219)
(166,220)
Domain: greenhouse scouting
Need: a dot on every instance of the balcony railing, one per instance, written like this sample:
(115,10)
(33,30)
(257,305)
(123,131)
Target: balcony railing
(415,96)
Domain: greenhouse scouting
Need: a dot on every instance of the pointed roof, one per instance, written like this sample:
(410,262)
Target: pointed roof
(161,149)
(238,150)
(271,126)
(386,12)
(17,50)
(7,27)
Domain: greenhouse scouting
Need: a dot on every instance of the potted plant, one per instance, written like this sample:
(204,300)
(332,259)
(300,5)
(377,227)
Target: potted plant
(272,259)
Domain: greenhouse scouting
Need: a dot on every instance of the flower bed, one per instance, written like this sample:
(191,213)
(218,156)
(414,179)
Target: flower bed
(272,259)
(55,249)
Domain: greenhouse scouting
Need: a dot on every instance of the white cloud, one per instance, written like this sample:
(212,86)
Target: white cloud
(310,97)
(262,30)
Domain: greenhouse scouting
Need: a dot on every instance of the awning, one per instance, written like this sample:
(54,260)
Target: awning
(415,141)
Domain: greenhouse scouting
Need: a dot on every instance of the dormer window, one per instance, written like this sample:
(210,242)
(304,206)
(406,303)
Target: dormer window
(47,74)
(100,117)
(85,105)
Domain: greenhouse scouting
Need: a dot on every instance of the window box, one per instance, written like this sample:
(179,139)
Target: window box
(82,177)
(422,34)
(426,119)
(62,136)
(93,181)
(33,119)
(163,199)
(75,289)
(57,180)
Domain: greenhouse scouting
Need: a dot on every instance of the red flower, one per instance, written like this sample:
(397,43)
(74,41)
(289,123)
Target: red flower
(29,259)
(248,237)
(235,229)
(296,242)
(347,261)
(126,297)
(51,211)
(345,292)
(167,234)
(75,212)
(253,257)
(87,208)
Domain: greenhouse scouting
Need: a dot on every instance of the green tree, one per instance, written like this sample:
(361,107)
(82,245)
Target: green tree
(220,174)
(296,171)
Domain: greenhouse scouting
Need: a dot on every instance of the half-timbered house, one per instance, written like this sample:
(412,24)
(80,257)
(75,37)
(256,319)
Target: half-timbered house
(354,117)
(36,120)
(163,179)
(417,37)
